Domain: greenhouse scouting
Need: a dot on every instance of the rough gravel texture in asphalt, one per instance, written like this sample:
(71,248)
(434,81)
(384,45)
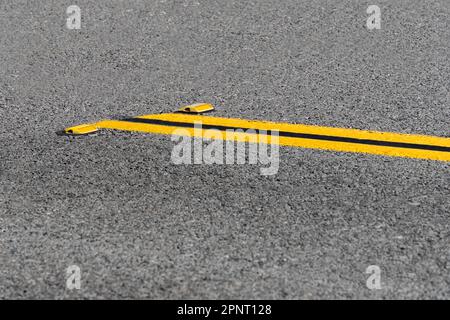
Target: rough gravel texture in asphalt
(139,226)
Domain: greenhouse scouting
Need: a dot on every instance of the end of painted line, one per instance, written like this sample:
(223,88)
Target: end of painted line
(81,129)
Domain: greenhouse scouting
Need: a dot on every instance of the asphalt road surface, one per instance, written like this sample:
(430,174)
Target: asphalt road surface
(139,226)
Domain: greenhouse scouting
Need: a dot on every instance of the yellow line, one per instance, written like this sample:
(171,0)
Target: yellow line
(289,141)
(302,128)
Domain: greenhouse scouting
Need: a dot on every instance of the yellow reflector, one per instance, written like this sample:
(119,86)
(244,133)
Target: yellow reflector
(197,108)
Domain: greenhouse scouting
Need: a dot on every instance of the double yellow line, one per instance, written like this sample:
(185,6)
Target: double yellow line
(294,135)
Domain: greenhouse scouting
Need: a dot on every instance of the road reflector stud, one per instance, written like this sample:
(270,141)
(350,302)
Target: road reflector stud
(293,135)
(81,129)
(197,108)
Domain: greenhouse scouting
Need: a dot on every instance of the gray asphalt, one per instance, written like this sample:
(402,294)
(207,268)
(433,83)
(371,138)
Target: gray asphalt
(139,226)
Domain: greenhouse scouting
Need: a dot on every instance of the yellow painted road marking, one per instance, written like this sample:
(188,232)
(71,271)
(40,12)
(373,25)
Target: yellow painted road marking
(295,135)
